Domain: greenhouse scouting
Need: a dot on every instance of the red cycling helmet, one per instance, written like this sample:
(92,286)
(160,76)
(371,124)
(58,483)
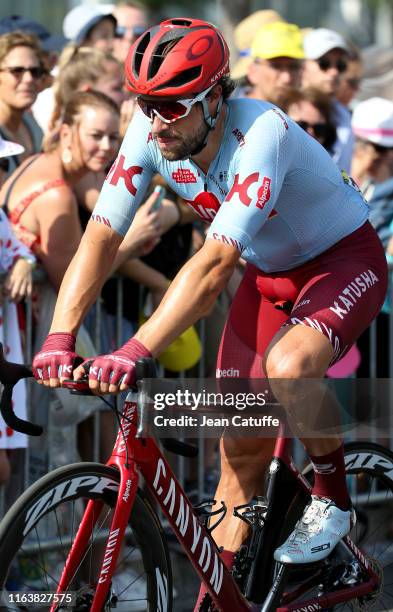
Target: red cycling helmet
(179,58)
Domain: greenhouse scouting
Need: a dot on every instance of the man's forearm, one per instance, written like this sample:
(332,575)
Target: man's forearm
(190,297)
(84,278)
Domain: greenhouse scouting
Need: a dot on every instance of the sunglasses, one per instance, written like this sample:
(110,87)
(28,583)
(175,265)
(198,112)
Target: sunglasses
(319,129)
(37,72)
(170,110)
(136,31)
(325,64)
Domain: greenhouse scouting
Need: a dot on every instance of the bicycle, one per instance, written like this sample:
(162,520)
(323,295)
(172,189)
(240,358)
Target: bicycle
(93,508)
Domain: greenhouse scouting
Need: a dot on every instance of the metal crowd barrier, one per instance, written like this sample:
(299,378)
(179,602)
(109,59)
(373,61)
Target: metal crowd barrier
(182,465)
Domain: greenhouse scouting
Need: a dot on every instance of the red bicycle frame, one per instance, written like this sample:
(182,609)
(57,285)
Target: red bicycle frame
(131,456)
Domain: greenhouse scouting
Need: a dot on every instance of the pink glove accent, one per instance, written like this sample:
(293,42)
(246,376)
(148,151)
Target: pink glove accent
(57,356)
(119,367)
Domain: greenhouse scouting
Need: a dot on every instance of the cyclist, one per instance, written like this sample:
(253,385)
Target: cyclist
(274,197)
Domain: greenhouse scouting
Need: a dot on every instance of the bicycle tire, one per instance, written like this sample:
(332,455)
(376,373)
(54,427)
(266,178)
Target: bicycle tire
(369,469)
(52,503)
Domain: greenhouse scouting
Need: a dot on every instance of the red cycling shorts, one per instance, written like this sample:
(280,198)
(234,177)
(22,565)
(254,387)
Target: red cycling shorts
(338,293)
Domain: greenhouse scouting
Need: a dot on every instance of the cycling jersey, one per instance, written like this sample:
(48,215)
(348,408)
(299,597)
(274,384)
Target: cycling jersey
(272,191)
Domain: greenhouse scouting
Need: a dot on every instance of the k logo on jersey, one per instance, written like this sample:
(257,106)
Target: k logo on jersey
(127,174)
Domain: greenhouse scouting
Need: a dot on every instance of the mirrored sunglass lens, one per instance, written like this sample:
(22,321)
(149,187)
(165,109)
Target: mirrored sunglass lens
(167,110)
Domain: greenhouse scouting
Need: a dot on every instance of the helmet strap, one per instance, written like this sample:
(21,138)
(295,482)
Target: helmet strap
(211,121)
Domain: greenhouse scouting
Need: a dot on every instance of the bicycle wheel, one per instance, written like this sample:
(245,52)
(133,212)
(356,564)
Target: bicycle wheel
(36,533)
(369,469)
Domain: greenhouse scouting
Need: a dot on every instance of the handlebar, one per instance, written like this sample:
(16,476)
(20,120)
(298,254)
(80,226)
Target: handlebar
(12,373)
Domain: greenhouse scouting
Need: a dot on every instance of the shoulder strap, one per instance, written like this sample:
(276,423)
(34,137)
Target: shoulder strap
(11,185)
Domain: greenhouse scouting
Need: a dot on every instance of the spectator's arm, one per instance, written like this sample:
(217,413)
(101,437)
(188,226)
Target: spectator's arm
(60,232)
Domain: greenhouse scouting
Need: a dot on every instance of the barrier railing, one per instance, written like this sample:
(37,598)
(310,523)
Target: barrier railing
(181,465)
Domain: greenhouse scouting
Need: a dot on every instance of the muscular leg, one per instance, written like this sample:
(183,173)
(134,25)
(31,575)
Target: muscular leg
(296,354)
(243,466)
(244,460)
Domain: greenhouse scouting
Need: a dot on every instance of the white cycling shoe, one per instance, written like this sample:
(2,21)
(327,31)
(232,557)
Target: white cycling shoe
(321,527)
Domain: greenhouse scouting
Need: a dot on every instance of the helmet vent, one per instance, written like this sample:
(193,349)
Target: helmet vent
(138,57)
(183,78)
(160,54)
(181,22)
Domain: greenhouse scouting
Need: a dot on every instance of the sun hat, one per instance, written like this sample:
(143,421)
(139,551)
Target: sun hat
(9,148)
(81,19)
(278,39)
(49,42)
(244,34)
(372,120)
(322,40)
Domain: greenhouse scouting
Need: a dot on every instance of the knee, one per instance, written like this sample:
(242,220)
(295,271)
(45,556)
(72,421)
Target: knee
(294,365)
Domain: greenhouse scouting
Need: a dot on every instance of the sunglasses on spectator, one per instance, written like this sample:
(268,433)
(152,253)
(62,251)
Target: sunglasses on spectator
(37,72)
(136,31)
(170,110)
(326,64)
(320,129)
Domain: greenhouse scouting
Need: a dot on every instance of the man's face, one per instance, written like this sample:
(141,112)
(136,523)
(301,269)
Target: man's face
(180,139)
(324,73)
(272,78)
(131,22)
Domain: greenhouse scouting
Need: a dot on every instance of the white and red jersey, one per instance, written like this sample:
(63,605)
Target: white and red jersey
(272,190)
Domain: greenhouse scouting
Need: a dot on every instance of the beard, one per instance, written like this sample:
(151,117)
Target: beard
(183,147)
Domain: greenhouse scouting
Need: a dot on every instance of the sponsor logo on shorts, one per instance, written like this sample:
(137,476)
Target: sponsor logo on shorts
(228,373)
(264,192)
(352,292)
(302,303)
(323,329)
(184,175)
(228,240)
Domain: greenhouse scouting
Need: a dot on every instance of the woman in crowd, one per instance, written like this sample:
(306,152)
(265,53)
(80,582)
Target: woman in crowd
(22,74)
(40,200)
(313,111)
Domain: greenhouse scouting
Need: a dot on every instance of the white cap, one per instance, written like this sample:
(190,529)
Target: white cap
(372,120)
(8,148)
(81,19)
(320,41)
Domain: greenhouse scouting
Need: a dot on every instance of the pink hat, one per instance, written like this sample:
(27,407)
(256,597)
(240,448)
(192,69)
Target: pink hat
(372,120)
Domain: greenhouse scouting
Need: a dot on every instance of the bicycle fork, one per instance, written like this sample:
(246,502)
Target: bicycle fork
(127,490)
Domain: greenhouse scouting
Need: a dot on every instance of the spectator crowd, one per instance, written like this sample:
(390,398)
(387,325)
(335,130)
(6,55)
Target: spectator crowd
(64,109)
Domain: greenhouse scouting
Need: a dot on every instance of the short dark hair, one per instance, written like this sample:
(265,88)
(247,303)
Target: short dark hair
(228,86)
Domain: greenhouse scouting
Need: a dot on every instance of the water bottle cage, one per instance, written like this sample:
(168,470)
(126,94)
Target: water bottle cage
(205,514)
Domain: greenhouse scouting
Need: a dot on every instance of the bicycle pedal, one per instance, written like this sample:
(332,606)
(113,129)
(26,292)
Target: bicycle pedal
(253,513)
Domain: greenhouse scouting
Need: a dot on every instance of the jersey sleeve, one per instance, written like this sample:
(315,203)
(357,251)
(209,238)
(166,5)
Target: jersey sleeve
(259,171)
(128,179)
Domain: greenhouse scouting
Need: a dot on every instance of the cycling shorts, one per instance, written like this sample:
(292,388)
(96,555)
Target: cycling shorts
(338,293)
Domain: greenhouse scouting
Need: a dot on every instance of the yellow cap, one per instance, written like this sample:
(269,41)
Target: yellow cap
(244,34)
(278,39)
(183,353)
